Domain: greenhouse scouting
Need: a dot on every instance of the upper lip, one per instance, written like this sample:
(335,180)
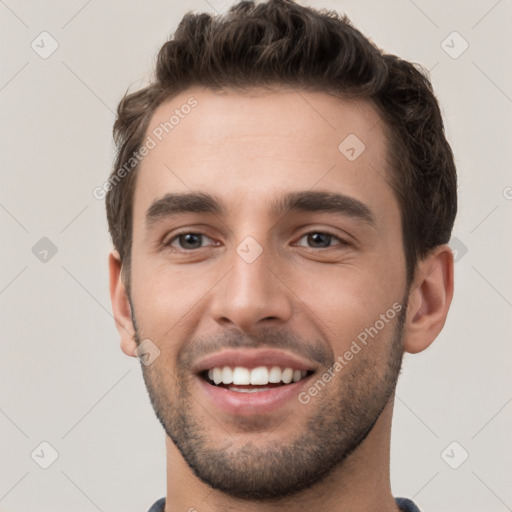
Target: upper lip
(252,358)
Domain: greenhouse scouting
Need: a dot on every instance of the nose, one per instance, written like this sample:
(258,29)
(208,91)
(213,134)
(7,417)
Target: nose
(252,293)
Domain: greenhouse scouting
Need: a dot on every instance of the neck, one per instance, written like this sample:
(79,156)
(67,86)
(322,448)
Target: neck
(360,484)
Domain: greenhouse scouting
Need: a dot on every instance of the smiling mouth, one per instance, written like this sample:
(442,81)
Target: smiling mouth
(252,380)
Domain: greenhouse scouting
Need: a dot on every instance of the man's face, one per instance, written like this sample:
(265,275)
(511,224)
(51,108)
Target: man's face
(257,285)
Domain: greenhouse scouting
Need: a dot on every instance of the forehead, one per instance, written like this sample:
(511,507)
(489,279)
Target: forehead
(250,144)
(297,117)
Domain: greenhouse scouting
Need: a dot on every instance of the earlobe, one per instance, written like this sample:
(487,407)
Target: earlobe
(429,300)
(121,305)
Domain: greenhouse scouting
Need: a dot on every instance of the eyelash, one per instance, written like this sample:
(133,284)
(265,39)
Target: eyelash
(168,244)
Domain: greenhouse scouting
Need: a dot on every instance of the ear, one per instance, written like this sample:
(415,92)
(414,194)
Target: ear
(121,305)
(429,300)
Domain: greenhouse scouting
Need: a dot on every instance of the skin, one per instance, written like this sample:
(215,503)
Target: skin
(249,148)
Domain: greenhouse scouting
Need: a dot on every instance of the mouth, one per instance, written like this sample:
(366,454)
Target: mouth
(253,380)
(250,382)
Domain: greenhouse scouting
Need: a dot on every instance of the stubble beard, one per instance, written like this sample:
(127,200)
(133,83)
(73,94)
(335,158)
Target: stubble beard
(341,422)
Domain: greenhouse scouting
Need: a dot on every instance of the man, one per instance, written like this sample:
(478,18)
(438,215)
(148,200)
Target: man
(280,207)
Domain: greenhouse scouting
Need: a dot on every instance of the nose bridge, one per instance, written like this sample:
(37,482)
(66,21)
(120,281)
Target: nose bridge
(250,292)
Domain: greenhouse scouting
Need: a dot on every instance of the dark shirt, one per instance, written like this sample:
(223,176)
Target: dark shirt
(404,504)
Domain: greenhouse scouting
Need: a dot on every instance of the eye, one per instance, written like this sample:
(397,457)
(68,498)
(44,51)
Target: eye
(187,241)
(321,240)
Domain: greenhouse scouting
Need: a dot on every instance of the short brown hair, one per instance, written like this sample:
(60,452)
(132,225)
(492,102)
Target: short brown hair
(282,43)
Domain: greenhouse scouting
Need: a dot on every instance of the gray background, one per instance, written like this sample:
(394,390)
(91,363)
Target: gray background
(63,378)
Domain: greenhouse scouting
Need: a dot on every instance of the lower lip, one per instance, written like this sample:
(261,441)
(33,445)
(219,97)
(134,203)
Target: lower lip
(247,404)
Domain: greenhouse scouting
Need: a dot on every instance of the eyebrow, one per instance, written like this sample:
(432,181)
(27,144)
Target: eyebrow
(323,202)
(303,201)
(174,204)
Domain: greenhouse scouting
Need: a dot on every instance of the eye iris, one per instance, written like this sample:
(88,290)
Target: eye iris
(190,239)
(316,238)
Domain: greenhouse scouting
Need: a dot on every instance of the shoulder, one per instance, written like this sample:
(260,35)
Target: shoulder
(405,505)
(158,506)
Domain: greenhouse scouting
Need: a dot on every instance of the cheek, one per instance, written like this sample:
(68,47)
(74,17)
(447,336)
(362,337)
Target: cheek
(166,296)
(345,303)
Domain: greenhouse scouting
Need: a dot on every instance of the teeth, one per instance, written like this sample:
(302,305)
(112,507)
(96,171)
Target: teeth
(275,375)
(287,375)
(217,375)
(227,375)
(247,390)
(241,376)
(259,376)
